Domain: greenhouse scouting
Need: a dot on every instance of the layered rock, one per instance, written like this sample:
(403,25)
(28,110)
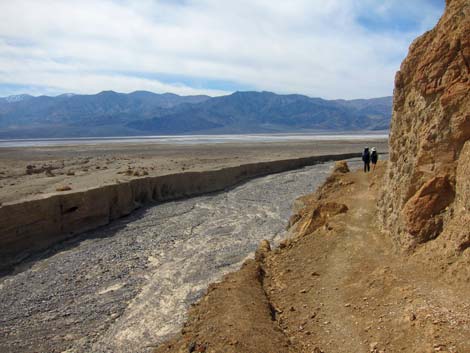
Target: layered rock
(426,187)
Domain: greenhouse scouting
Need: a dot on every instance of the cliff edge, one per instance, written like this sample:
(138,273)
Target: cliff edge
(427,190)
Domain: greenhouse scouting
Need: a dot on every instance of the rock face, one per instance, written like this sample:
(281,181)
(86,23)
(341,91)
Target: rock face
(420,211)
(426,186)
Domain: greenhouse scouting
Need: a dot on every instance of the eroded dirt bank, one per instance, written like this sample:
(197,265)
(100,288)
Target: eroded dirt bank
(28,226)
(336,286)
(126,287)
(32,172)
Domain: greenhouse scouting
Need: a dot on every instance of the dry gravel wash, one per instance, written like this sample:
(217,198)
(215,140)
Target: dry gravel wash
(126,287)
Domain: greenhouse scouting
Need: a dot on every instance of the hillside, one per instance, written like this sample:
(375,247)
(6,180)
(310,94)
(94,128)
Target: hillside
(143,113)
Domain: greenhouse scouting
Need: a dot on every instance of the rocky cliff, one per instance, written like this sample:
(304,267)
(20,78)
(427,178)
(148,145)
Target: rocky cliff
(426,192)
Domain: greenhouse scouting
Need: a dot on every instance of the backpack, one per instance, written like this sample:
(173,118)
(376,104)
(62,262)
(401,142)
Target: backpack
(374,156)
(366,156)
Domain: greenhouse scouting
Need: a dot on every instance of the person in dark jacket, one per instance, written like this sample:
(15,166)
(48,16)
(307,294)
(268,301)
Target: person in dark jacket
(366,159)
(374,157)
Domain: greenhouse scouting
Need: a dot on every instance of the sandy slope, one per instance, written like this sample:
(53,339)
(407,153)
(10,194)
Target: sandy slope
(336,286)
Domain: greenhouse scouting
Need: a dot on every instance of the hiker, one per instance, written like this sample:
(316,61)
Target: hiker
(366,159)
(374,157)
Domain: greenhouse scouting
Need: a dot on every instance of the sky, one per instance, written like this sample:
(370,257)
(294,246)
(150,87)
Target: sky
(320,48)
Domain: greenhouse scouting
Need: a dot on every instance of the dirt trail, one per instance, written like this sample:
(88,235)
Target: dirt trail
(341,287)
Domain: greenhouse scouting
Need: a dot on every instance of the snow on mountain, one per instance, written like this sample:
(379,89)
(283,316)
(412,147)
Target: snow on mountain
(16,98)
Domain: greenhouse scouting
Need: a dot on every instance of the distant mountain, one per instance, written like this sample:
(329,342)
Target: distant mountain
(141,113)
(269,112)
(378,110)
(16,98)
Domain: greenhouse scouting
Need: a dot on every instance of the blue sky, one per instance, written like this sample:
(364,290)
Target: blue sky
(322,48)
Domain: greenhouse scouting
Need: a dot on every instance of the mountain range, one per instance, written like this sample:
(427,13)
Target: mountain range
(145,113)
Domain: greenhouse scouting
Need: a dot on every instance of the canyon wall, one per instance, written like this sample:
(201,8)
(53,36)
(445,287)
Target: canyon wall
(426,189)
(33,225)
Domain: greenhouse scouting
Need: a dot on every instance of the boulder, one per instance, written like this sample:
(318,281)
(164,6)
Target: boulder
(422,211)
(319,216)
(263,249)
(341,167)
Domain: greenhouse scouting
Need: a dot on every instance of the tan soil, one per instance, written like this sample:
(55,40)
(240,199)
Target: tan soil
(81,167)
(340,287)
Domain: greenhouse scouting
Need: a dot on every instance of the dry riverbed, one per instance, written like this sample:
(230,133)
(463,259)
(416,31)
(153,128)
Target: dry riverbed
(126,287)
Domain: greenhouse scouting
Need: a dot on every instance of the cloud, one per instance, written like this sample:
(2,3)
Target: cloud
(331,48)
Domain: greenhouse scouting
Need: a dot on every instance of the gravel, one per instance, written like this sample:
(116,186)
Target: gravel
(126,287)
